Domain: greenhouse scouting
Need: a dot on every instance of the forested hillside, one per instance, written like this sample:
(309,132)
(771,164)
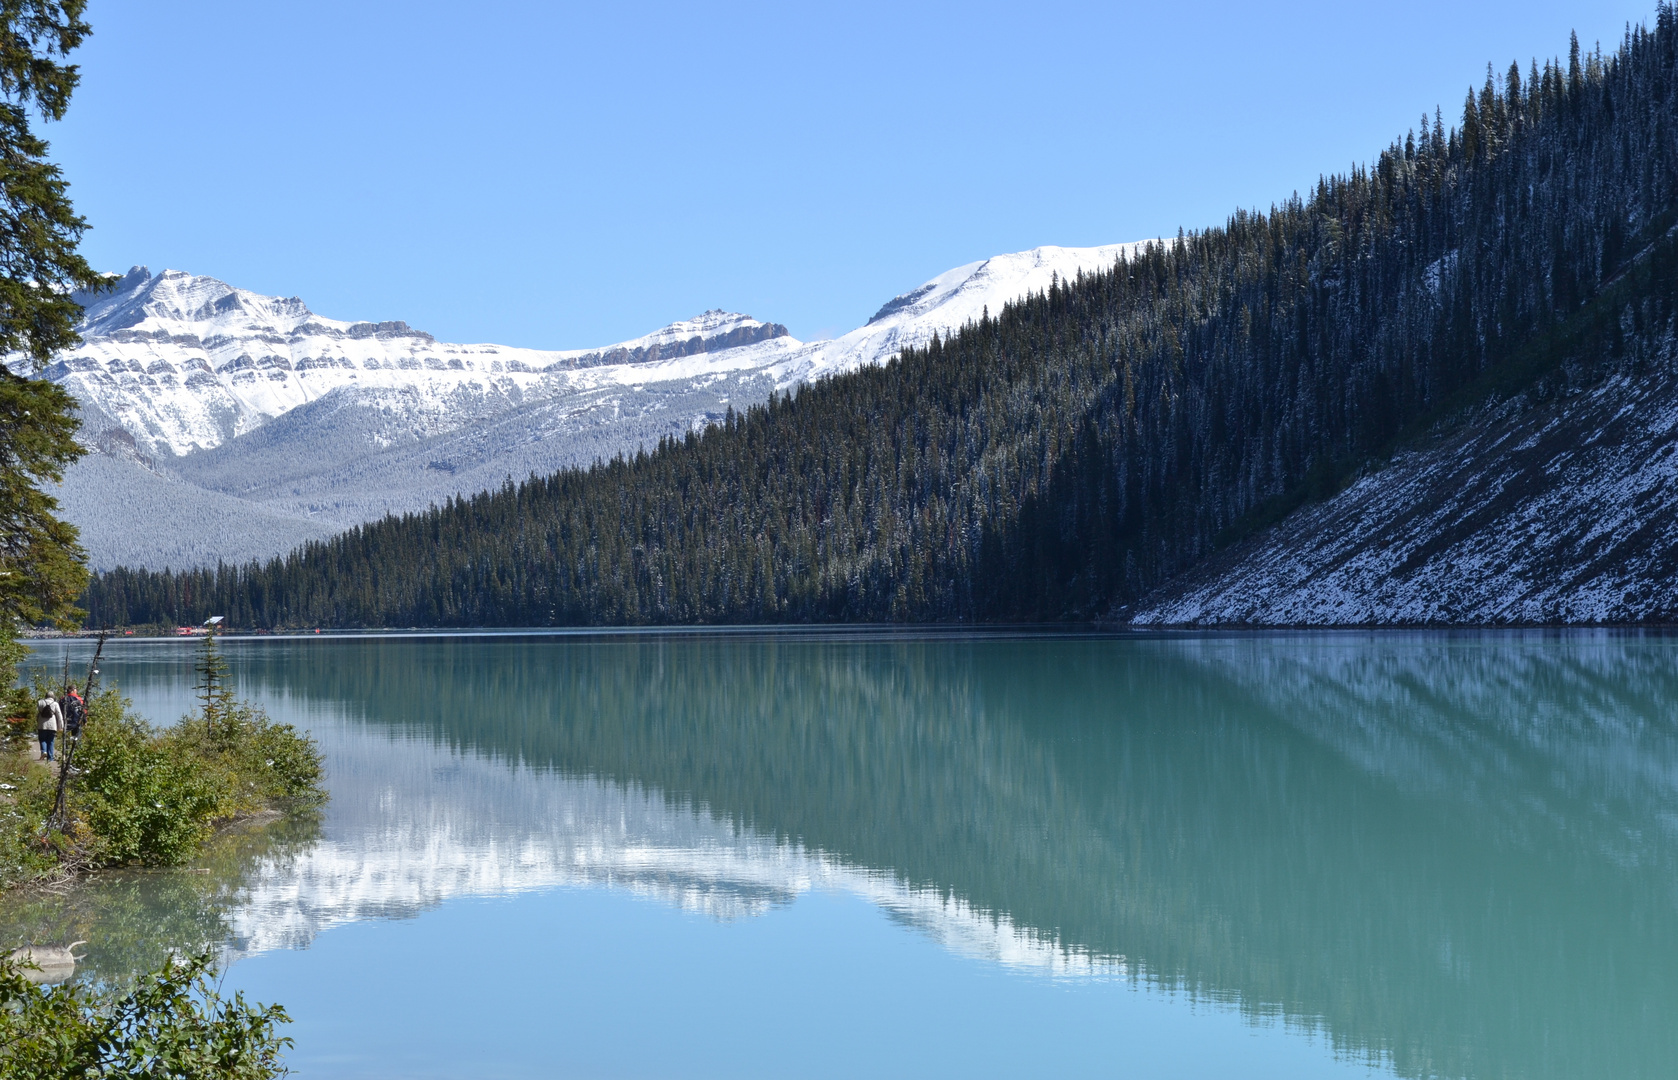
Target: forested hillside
(1083,445)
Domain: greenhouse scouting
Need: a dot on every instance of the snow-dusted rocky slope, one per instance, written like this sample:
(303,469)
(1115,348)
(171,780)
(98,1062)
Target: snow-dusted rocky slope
(1559,505)
(229,425)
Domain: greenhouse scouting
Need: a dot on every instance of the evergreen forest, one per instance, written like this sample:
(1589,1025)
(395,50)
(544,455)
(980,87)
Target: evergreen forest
(1065,455)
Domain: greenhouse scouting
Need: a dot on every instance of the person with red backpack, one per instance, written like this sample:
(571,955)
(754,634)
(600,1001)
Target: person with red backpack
(75,712)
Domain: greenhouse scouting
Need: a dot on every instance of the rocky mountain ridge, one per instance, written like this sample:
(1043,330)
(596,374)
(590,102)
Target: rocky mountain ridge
(184,364)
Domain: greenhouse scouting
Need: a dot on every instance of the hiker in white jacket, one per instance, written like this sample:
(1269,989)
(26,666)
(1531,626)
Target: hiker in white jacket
(49,721)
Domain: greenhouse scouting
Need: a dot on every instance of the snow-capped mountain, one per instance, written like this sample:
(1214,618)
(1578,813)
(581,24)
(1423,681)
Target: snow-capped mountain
(229,425)
(185,363)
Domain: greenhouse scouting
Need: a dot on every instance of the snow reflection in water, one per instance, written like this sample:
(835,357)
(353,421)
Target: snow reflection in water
(419,826)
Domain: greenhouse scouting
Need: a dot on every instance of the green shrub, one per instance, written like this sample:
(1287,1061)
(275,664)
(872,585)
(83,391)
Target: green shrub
(173,1023)
(267,762)
(139,797)
(25,802)
(150,796)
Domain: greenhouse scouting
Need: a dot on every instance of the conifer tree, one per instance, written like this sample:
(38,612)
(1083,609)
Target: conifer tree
(41,561)
(215,691)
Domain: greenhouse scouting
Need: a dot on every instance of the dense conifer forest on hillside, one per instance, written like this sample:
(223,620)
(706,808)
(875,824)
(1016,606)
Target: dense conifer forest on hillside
(1079,447)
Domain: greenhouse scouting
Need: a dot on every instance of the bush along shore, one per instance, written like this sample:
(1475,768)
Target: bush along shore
(174,1022)
(128,793)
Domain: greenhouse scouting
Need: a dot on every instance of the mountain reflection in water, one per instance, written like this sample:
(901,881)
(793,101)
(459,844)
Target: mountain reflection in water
(1455,853)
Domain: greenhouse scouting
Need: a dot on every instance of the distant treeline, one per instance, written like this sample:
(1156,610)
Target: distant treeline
(1072,451)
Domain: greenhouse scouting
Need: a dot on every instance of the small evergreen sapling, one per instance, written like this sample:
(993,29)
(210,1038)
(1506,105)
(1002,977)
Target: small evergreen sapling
(215,691)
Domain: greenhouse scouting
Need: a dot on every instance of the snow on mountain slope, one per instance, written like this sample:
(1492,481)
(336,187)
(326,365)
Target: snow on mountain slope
(325,424)
(321,461)
(1550,508)
(947,302)
(185,363)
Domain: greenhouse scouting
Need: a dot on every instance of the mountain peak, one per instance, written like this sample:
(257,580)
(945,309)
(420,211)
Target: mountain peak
(971,288)
(712,331)
(948,302)
(710,322)
(177,302)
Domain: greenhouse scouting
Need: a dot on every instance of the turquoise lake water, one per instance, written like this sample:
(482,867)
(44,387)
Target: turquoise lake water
(857,854)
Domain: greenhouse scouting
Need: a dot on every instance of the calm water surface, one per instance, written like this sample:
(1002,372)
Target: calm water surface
(871,855)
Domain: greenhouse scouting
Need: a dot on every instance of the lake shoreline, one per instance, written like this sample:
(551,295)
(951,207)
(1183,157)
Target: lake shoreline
(898,631)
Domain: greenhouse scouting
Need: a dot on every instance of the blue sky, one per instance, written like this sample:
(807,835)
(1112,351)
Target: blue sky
(564,175)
